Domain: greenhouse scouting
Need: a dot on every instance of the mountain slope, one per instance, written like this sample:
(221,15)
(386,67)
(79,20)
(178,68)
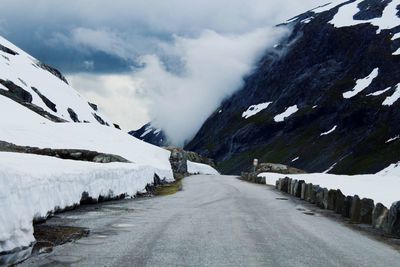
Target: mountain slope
(326,98)
(151,135)
(42,88)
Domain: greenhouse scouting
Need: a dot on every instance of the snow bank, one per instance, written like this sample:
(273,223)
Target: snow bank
(382,187)
(25,128)
(32,186)
(199,168)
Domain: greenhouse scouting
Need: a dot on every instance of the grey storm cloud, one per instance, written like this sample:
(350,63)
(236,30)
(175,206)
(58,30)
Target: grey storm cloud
(138,59)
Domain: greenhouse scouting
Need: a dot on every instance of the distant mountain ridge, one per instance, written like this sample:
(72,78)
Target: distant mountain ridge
(152,135)
(325,99)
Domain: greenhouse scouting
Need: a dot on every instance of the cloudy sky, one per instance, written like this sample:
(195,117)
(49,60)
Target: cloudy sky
(168,61)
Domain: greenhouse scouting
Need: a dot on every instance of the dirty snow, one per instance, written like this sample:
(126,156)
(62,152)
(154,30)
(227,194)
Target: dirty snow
(254,109)
(361,84)
(198,168)
(286,114)
(330,131)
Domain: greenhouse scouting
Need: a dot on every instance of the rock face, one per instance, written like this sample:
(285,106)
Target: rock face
(394,219)
(380,217)
(315,69)
(178,160)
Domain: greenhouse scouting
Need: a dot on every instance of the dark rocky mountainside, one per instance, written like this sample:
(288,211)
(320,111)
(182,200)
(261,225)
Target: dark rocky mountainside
(151,135)
(326,98)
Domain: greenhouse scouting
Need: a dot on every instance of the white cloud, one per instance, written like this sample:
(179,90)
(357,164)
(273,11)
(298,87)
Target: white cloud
(214,67)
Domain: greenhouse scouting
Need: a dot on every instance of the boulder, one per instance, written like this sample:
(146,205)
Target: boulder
(394,219)
(331,199)
(367,206)
(355,211)
(347,206)
(380,216)
(339,201)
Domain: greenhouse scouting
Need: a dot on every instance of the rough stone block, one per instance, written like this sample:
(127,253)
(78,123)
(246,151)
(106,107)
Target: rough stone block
(325,199)
(394,219)
(309,192)
(339,202)
(355,212)
(331,199)
(380,217)
(347,206)
(367,206)
(303,191)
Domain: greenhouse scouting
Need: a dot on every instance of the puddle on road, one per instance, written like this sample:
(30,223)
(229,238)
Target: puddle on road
(281,198)
(309,213)
(122,225)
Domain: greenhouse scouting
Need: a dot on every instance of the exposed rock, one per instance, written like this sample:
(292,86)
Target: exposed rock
(367,206)
(277,168)
(73,115)
(71,154)
(355,212)
(346,211)
(116,126)
(8,50)
(339,202)
(178,160)
(52,70)
(45,100)
(99,119)
(394,219)
(331,199)
(16,92)
(93,106)
(380,217)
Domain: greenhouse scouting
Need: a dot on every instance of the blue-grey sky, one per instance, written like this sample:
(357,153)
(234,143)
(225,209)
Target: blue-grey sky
(136,58)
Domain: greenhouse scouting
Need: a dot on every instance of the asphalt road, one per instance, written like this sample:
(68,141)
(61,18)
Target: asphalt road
(214,221)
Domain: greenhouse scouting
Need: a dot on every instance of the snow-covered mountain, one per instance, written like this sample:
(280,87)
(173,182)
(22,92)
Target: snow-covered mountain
(152,135)
(326,98)
(42,88)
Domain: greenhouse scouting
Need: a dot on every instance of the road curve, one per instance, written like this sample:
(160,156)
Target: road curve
(214,221)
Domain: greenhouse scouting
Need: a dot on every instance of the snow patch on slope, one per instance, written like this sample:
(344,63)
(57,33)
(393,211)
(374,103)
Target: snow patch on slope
(254,109)
(393,98)
(286,114)
(379,92)
(389,19)
(361,84)
(330,131)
